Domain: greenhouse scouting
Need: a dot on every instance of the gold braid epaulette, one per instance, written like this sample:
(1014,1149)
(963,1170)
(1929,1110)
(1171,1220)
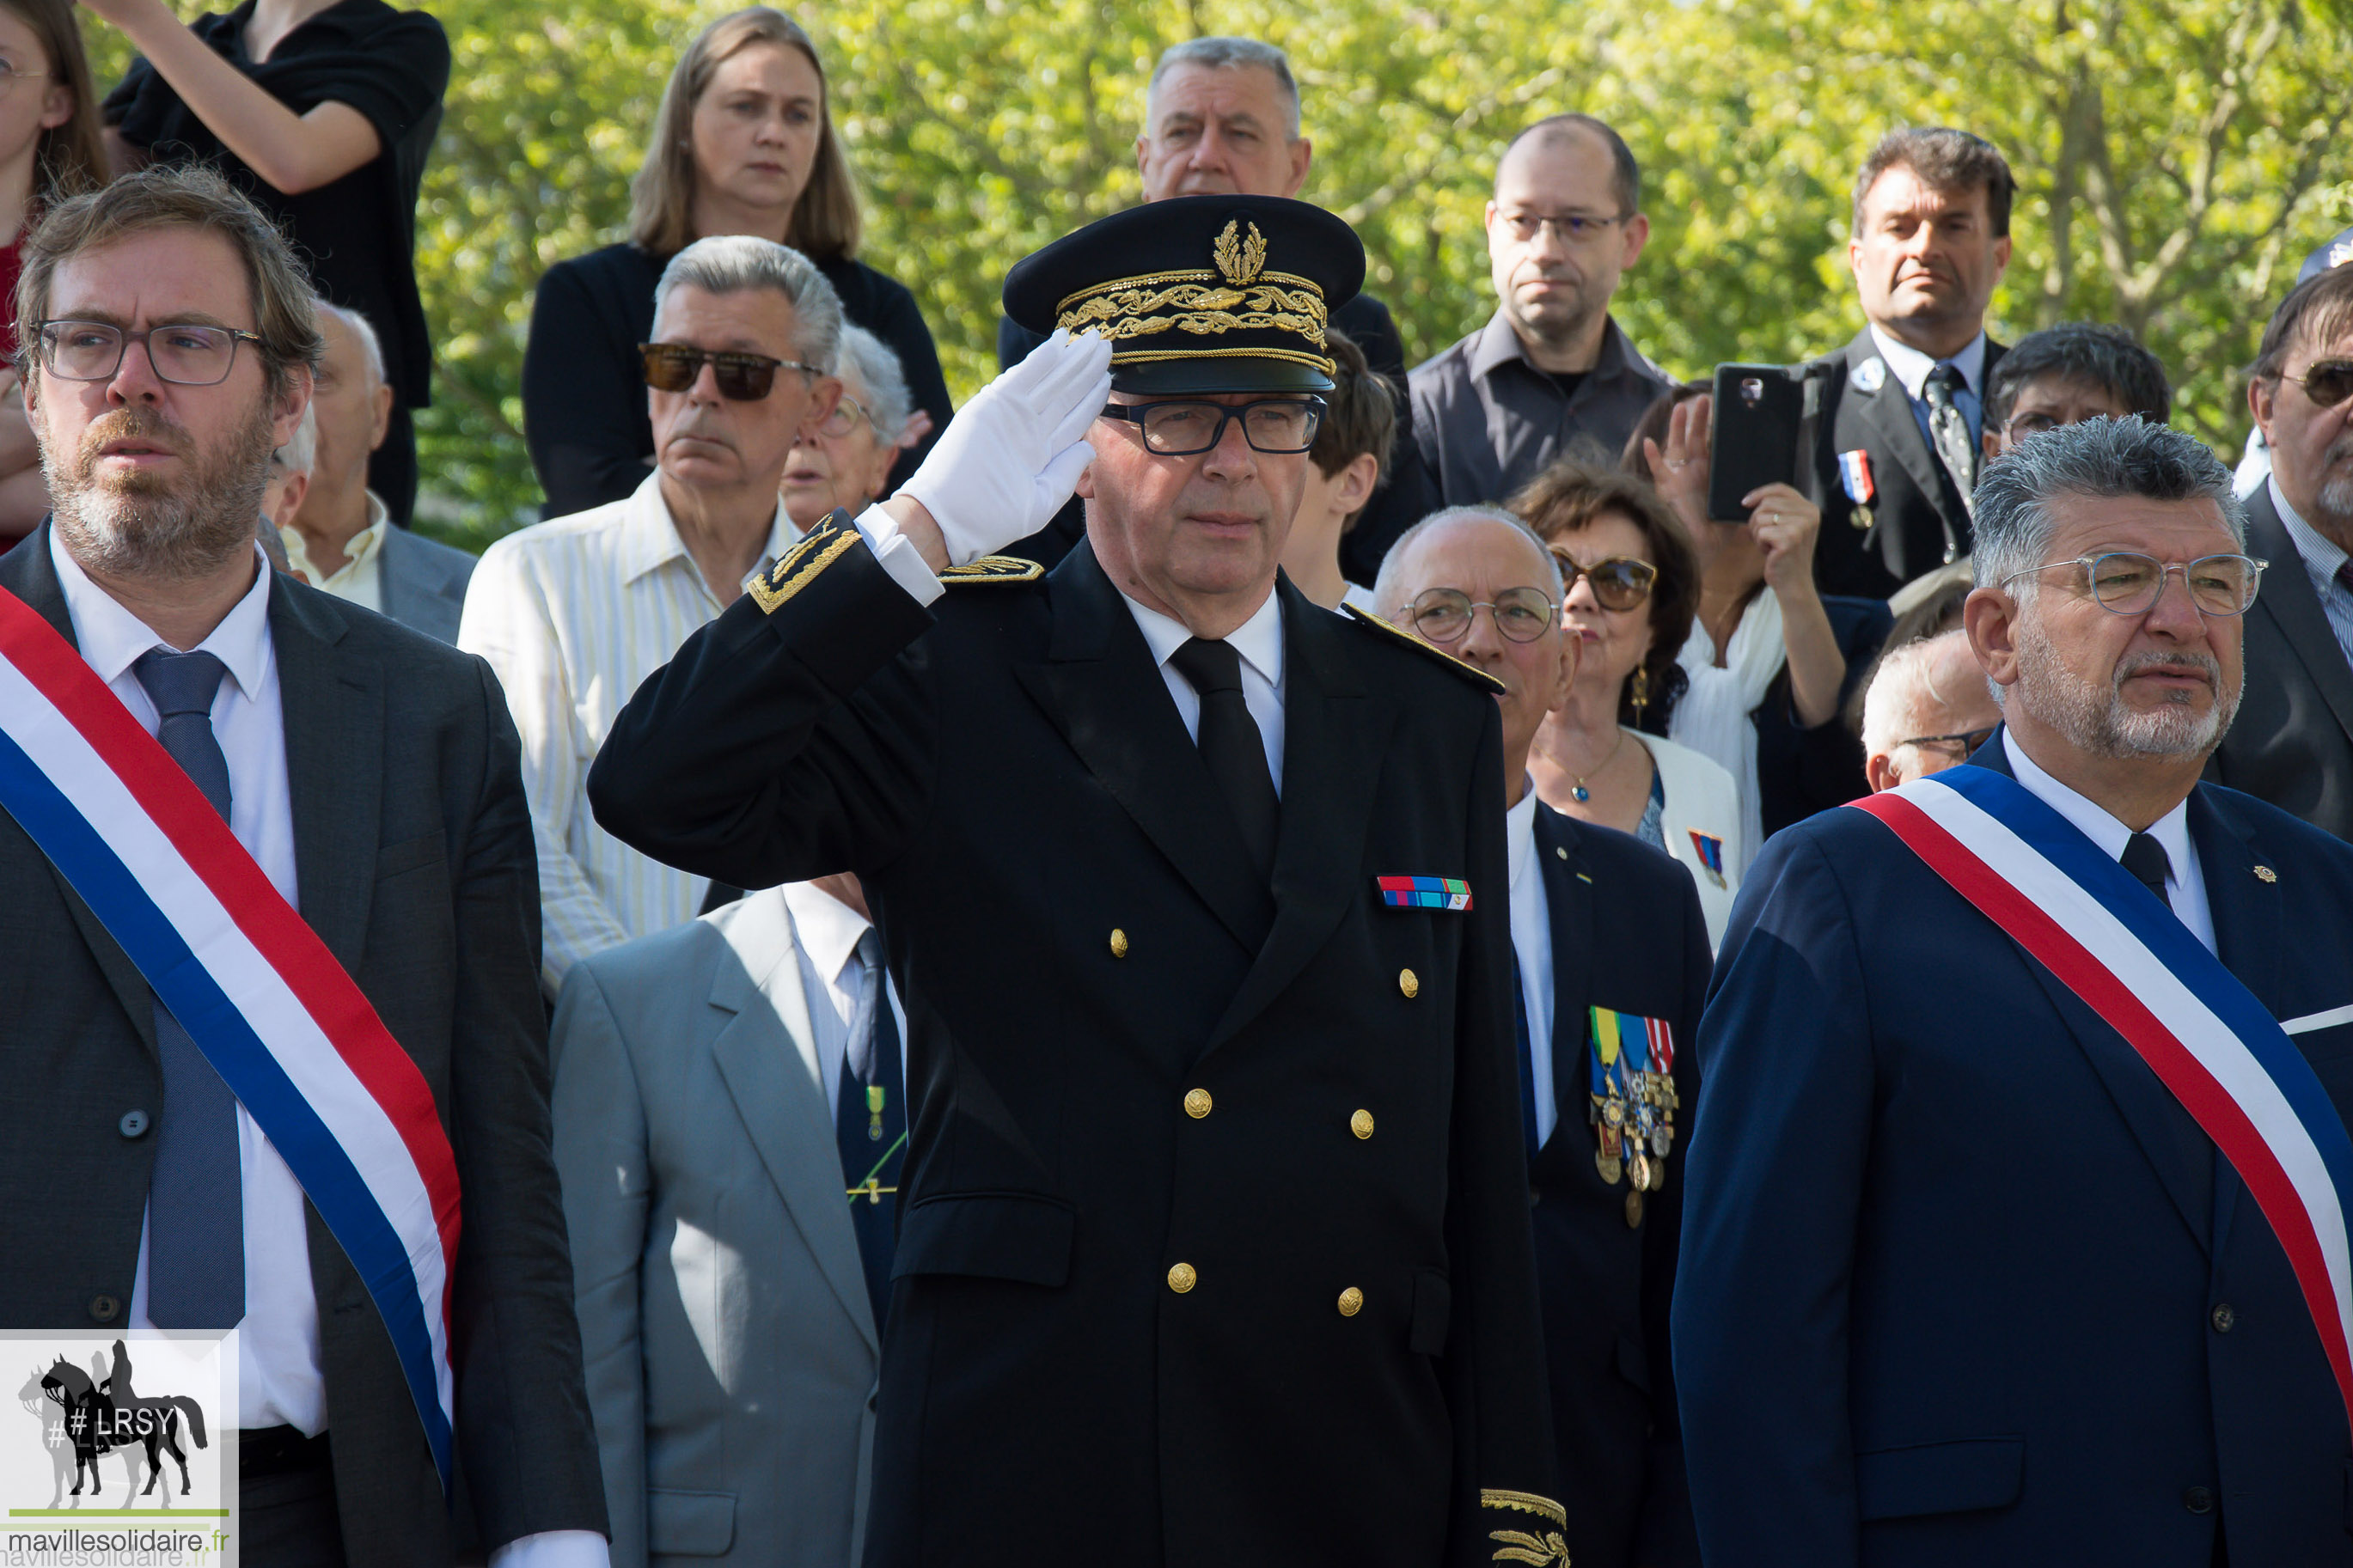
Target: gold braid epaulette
(1523,1546)
(1470,672)
(796,568)
(993,569)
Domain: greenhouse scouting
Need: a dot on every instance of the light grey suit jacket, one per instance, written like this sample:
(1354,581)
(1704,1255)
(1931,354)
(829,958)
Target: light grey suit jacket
(731,1351)
(424,583)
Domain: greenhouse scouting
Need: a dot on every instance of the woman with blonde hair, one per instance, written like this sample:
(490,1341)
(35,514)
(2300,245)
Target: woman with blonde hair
(745,142)
(50,148)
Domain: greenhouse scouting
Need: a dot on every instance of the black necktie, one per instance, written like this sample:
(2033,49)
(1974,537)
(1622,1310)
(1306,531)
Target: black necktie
(2146,858)
(1950,428)
(870,1125)
(1231,744)
(195,1196)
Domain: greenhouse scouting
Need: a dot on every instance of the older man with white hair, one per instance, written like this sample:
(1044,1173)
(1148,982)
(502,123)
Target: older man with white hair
(574,613)
(2014,1232)
(340,537)
(1927,708)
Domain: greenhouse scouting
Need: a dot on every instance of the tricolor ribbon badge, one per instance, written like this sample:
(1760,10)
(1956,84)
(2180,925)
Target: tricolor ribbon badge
(1711,856)
(1854,472)
(1424,892)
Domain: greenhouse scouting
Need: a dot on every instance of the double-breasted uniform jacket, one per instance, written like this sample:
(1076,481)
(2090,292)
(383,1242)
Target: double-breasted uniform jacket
(1213,1242)
(414,864)
(1917,512)
(1627,934)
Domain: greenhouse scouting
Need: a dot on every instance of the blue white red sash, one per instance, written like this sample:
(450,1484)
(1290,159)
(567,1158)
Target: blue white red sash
(2093,925)
(253,985)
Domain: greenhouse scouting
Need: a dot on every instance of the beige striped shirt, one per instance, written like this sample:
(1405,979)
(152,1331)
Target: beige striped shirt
(573,614)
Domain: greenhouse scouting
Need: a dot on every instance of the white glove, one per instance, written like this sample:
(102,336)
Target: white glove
(1011,456)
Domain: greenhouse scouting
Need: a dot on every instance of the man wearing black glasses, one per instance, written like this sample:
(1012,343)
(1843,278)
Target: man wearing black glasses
(2293,744)
(1926,710)
(2024,1094)
(1213,1240)
(574,612)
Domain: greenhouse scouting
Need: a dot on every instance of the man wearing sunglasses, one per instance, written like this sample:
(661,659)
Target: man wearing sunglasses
(1989,1253)
(2293,744)
(574,612)
(1196,895)
(1926,710)
(1604,929)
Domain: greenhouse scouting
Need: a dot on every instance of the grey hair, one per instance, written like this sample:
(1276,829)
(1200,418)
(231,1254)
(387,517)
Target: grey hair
(1901,681)
(363,329)
(739,263)
(301,453)
(2102,459)
(882,383)
(1222,54)
(1387,588)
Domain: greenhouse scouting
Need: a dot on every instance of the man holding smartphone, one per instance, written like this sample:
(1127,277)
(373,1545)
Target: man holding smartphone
(1894,451)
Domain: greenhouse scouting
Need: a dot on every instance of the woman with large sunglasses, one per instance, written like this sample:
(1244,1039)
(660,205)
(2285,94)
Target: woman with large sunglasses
(743,142)
(1628,588)
(1771,660)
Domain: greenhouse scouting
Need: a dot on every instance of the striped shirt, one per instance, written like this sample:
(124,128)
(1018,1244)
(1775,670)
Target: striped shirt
(2324,561)
(573,614)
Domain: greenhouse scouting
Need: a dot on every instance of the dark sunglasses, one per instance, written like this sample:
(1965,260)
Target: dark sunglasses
(1961,747)
(2328,382)
(743,378)
(1619,582)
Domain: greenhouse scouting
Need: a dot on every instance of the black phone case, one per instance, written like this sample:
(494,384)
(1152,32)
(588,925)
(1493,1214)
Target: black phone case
(1758,410)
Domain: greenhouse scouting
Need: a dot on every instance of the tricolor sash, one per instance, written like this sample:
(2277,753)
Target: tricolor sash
(257,990)
(2093,925)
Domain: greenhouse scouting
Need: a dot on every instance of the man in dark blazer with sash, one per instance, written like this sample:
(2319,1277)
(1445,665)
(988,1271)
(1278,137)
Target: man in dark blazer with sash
(1213,1242)
(1930,240)
(1964,1280)
(371,775)
(1611,950)
(2292,743)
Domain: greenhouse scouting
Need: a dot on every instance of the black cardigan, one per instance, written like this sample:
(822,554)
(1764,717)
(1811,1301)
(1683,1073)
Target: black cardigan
(584,389)
(1799,771)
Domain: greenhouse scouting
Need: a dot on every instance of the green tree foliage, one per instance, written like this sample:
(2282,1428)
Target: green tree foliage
(2177,159)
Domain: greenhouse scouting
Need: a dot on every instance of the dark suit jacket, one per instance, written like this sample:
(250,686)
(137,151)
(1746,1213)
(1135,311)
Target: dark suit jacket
(2291,743)
(1954,1260)
(1081,943)
(1627,934)
(1917,502)
(1408,492)
(1799,771)
(414,856)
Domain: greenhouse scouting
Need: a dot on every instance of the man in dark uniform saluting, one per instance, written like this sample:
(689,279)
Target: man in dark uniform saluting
(1213,1242)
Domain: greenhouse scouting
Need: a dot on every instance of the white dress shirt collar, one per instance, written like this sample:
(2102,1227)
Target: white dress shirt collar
(1913,368)
(1259,640)
(1520,833)
(1531,908)
(112,640)
(2322,555)
(2185,882)
(650,536)
(830,930)
(358,551)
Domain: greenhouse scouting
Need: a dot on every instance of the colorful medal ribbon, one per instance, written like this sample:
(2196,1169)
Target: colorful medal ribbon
(1631,1098)
(257,990)
(2088,921)
(1854,472)
(1424,892)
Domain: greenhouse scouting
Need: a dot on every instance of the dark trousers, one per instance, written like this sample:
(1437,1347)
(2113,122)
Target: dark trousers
(392,470)
(287,1516)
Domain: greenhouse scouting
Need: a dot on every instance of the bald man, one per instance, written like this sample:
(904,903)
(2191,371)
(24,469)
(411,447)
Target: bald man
(1550,375)
(1927,708)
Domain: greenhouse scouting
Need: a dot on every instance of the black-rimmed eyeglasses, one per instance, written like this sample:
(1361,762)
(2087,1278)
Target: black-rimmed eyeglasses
(1960,747)
(1185,429)
(184,354)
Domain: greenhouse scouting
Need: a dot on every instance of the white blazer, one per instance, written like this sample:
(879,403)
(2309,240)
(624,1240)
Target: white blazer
(1701,798)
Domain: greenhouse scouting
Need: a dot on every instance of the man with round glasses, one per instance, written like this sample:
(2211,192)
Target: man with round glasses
(1196,895)
(574,612)
(2024,1097)
(2293,744)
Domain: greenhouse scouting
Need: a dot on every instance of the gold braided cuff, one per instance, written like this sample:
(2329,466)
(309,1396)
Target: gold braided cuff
(1549,1550)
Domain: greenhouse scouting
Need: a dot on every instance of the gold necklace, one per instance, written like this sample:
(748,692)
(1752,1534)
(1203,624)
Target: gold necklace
(1580,794)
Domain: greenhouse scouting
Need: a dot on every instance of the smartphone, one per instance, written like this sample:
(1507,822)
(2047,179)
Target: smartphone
(1758,408)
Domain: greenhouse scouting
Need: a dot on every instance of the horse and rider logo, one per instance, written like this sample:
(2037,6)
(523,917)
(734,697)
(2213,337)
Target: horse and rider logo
(88,1415)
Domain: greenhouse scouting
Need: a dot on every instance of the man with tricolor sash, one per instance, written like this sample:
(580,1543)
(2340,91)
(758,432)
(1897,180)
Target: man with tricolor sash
(2016,1228)
(271,1037)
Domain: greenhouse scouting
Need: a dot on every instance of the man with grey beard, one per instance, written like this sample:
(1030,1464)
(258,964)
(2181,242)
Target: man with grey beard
(2293,744)
(2003,1268)
(198,1172)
